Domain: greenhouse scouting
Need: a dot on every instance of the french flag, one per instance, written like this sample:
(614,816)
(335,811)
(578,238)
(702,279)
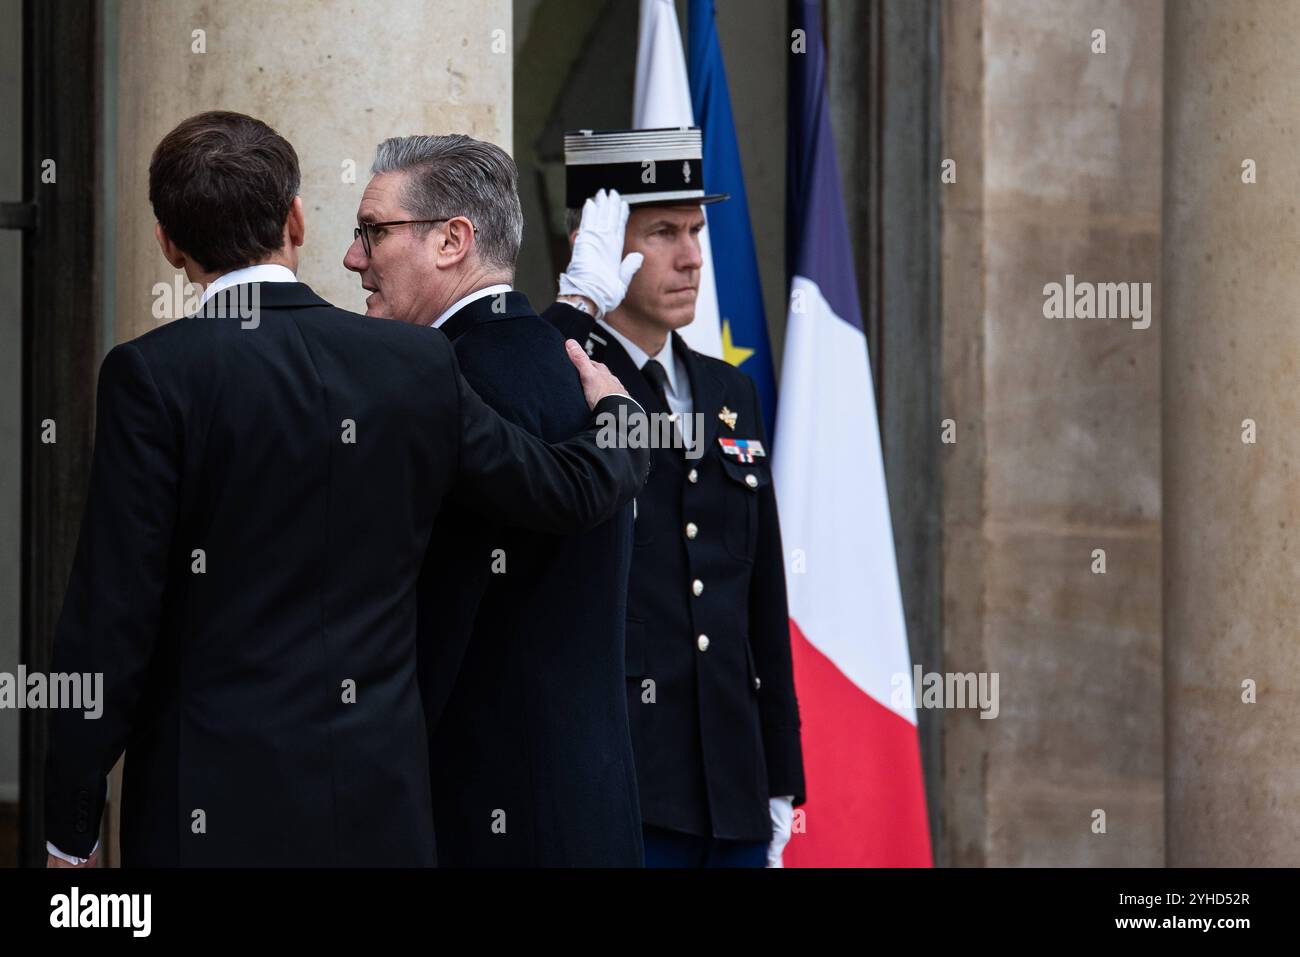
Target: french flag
(866,800)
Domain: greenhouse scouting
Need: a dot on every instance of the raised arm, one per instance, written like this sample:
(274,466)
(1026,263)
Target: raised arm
(563,488)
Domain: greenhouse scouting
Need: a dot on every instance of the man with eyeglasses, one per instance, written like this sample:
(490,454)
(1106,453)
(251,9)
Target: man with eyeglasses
(521,634)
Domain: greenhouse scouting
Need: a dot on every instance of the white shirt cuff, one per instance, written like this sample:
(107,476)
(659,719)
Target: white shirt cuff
(55,852)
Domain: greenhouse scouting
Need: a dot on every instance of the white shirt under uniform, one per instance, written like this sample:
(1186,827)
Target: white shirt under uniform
(677,388)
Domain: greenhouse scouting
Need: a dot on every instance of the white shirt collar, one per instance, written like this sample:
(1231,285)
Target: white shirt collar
(262,272)
(464,301)
(640,357)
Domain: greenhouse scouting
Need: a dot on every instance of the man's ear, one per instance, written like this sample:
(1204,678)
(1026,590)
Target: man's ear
(171,252)
(455,242)
(295,225)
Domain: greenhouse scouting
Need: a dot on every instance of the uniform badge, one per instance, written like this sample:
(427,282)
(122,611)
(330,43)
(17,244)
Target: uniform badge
(745,450)
(727,416)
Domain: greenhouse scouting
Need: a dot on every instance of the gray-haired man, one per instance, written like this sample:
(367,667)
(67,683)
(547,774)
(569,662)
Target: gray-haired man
(522,635)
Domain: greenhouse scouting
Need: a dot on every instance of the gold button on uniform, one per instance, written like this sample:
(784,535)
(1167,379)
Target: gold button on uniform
(702,642)
(693,476)
(751,480)
(692,529)
(697,587)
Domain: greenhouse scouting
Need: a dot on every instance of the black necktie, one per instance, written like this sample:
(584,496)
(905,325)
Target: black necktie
(658,379)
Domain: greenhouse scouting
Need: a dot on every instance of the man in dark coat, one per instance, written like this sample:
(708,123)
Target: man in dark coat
(265,479)
(521,632)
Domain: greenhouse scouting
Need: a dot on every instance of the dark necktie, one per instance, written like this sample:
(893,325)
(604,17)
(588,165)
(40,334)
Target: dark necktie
(658,379)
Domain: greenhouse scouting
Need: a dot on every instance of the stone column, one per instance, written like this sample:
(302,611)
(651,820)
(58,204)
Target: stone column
(1057,152)
(334,77)
(1232,432)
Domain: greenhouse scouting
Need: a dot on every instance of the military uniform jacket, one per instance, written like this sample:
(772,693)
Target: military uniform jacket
(710,689)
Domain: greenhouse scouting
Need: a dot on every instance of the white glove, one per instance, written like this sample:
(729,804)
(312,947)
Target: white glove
(782,811)
(598,269)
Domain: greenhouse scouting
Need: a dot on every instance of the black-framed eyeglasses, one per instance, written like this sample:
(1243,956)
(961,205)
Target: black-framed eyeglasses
(362,230)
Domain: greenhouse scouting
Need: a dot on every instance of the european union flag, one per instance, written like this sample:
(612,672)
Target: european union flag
(740,297)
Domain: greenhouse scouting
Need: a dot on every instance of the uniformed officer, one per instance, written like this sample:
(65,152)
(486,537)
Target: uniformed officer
(711,701)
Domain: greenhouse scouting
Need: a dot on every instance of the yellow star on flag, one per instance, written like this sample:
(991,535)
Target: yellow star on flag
(730,351)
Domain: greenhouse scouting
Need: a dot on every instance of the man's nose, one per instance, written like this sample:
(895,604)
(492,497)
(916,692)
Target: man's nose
(691,256)
(355,259)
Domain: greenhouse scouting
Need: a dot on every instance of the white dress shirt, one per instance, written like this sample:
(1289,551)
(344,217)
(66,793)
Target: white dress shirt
(677,388)
(55,852)
(262,272)
(464,301)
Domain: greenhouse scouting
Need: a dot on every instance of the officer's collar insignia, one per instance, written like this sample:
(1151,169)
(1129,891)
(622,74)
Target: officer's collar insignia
(726,415)
(745,450)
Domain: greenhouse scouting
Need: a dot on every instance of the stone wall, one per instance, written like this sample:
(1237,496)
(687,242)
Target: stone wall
(334,81)
(1057,459)
(1232,354)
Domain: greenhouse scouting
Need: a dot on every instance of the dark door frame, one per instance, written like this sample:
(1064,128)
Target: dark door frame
(60,340)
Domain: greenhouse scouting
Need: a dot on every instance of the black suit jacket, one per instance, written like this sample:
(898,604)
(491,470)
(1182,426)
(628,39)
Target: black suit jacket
(715,731)
(531,756)
(260,504)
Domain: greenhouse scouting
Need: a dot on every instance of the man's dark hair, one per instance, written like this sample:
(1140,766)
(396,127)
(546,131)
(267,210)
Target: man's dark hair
(221,185)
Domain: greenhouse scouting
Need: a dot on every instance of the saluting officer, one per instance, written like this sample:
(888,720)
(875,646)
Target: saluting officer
(711,701)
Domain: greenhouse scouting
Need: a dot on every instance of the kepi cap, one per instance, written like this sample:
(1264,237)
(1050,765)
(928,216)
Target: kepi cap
(647,167)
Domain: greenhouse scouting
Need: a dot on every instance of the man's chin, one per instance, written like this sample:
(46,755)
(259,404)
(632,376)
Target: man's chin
(679,318)
(677,310)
